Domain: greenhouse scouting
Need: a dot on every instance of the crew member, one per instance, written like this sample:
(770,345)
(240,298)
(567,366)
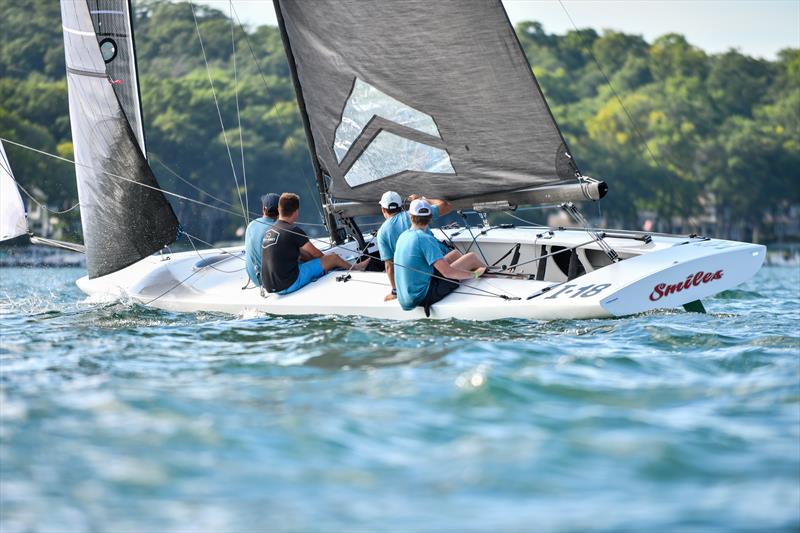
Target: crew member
(420,265)
(397,221)
(255,234)
(290,261)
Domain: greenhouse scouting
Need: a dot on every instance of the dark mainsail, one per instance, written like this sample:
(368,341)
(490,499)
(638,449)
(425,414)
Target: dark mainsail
(124,215)
(431,97)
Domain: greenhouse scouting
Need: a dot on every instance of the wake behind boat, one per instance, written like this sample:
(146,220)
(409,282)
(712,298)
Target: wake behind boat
(381,91)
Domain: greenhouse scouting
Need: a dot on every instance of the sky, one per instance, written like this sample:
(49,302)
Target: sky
(755,27)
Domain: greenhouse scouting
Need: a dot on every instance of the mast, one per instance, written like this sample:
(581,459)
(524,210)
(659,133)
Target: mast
(328,218)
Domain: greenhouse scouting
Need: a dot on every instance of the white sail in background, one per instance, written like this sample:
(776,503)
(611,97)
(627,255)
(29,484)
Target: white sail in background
(13,221)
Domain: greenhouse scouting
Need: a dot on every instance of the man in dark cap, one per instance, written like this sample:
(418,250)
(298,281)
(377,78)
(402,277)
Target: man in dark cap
(255,234)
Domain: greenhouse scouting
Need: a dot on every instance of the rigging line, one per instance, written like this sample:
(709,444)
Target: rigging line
(614,91)
(219,112)
(384,284)
(41,205)
(190,184)
(461,283)
(523,220)
(221,250)
(211,265)
(123,178)
(181,282)
(254,214)
(315,197)
(34,200)
(239,117)
(474,239)
(247,40)
(545,256)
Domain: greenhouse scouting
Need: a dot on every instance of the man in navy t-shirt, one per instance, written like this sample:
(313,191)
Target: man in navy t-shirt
(290,261)
(255,234)
(420,266)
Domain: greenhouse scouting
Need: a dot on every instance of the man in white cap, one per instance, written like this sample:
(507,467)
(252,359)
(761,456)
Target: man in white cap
(421,267)
(398,221)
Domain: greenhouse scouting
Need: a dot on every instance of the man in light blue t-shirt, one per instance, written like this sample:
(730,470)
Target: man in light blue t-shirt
(420,266)
(398,221)
(255,234)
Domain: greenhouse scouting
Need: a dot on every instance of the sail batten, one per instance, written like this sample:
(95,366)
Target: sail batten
(123,220)
(450,69)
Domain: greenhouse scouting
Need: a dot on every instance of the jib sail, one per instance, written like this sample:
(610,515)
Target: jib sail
(430,97)
(125,216)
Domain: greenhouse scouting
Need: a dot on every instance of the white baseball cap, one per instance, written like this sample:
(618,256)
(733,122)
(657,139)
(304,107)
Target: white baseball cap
(420,207)
(391,200)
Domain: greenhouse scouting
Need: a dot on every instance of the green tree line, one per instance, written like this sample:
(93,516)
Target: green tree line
(678,133)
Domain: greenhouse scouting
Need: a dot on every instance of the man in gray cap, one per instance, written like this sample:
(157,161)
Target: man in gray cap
(255,234)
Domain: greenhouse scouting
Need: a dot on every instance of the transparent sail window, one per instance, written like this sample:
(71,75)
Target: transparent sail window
(365,102)
(109,50)
(389,154)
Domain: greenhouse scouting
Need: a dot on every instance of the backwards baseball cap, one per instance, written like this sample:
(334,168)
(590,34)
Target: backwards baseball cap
(391,200)
(270,201)
(420,208)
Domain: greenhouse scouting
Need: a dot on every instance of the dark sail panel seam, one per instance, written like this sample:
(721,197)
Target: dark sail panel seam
(90,73)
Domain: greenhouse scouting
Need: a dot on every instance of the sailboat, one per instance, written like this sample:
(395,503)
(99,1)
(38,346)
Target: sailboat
(432,98)
(13,217)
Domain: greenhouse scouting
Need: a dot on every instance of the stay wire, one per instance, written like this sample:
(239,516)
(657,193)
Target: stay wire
(163,191)
(123,178)
(211,265)
(461,283)
(238,116)
(385,284)
(190,184)
(219,111)
(545,256)
(268,88)
(614,91)
(181,282)
(34,200)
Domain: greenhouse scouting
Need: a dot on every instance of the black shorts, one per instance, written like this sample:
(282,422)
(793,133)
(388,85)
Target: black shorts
(438,289)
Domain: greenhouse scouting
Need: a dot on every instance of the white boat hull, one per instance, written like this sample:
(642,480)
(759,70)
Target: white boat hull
(667,271)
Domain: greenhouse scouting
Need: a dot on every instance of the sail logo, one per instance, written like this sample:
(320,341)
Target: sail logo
(368,115)
(692,280)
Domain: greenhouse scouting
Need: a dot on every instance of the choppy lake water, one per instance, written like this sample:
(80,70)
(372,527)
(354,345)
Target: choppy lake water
(116,417)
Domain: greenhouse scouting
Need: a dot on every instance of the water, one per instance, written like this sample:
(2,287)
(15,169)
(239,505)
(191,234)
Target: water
(117,417)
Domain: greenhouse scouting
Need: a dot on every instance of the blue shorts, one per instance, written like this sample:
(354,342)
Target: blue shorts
(309,271)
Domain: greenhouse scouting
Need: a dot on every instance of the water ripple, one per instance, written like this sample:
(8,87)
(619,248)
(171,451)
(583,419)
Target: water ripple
(115,416)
